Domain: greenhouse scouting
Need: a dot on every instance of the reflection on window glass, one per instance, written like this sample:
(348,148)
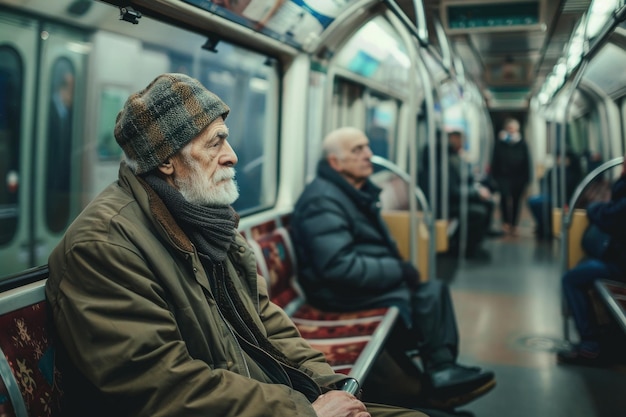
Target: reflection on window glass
(111,101)
(377,52)
(10,115)
(244,84)
(381,119)
(58,162)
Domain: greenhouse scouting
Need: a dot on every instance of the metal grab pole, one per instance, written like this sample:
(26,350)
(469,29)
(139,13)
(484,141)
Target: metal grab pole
(421,198)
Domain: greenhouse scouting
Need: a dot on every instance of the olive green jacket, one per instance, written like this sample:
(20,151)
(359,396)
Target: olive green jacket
(134,310)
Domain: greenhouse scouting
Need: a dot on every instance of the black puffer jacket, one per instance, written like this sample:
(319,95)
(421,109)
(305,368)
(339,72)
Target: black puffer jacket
(347,259)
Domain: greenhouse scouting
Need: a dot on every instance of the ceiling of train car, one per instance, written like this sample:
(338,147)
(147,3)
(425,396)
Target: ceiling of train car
(511,65)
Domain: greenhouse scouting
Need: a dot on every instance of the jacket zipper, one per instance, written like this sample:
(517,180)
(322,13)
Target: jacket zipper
(232,332)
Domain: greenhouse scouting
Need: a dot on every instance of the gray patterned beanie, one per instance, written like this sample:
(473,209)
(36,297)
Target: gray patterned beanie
(159,120)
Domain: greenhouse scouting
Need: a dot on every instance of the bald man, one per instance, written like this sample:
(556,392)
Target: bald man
(349,261)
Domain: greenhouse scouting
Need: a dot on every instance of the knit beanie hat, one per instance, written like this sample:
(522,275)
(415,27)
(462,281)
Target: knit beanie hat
(159,120)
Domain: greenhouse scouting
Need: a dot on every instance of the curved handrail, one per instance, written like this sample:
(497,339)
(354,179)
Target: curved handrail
(566,218)
(421,198)
(589,178)
(566,222)
(419,194)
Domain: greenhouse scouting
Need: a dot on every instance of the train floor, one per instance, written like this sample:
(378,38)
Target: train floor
(509,318)
(508,311)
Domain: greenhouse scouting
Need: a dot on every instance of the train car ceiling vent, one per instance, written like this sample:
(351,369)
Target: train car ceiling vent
(483,16)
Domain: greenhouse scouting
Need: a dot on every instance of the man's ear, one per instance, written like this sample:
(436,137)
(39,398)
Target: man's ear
(334,162)
(167,168)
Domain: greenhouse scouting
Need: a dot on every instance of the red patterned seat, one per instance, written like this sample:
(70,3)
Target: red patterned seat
(29,353)
(613,294)
(341,336)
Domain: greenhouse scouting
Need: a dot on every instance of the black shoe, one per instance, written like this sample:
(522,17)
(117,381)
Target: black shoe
(454,385)
(495,233)
(577,356)
(478,254)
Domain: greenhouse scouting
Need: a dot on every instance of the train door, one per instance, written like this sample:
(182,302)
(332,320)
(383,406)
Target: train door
(18,63)
(60,113)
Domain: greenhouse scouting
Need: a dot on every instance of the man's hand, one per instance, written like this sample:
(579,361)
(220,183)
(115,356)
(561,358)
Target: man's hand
(339,404)
(410,275)
(484,193)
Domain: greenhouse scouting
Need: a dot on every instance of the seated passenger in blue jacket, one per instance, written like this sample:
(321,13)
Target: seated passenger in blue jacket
(155,296)
(349,261)
(610,217)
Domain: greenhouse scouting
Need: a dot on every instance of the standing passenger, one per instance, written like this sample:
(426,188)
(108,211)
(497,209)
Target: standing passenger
(348,261)
(59,152)
(510,168)
(155,295)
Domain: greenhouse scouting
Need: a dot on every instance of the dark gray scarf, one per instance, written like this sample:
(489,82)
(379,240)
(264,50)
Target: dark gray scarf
(210,228)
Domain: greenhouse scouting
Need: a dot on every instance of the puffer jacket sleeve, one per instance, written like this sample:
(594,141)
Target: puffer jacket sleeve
(611,216)
(114,321)
(324,231)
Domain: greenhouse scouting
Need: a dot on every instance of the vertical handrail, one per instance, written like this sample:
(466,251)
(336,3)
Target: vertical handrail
(432,180)
(562,142)
(421,198)
(410,133)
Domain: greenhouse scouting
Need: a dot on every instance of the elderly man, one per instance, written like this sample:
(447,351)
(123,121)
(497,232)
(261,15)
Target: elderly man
(348,261)
(155,296)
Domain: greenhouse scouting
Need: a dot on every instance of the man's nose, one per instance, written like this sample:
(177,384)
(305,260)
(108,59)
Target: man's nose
(228,157)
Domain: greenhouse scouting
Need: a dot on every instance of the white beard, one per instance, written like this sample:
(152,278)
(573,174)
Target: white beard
(198,188)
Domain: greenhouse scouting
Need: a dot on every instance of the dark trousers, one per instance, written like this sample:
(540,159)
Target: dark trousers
(435,322)
(510,200)
(539,206)
(479,216)
(576,284)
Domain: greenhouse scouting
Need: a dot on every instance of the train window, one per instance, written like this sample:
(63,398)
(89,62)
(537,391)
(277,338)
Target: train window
(380,124)
(377,53)
(11,88)
(247,81)
(111,101)
(59,152)
(248,86)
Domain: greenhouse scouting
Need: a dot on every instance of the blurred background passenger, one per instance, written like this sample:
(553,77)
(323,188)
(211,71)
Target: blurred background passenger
(540,205)
(510,168)
(610,218)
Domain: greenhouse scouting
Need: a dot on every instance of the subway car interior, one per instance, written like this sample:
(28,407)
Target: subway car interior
(438,87)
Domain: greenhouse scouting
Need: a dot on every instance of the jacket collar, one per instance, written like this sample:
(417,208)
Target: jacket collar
(365,197)
(148,200)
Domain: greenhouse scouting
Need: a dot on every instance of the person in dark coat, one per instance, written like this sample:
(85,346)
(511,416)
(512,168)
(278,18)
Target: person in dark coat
(479,198)
(510,168)
(540,205)
(610,217)
(480,202)
(59,151)
(349,261)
